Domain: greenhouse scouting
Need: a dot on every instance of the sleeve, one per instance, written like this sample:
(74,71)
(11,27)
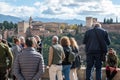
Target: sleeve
(41,69)
(16,69)
(9,55)
(85,38)
(107,38)
(63,54)
(117,59)
(50,56)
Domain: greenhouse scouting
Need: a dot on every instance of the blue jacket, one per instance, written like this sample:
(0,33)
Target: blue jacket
(91,42)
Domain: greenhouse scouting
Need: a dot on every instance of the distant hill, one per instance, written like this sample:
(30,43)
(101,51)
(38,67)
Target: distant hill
(17,19)
(9,18)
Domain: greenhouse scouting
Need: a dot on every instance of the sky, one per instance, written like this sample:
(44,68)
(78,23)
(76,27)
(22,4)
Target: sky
(62,9)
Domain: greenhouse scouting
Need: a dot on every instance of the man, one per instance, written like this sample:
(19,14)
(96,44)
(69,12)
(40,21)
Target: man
(96,41)
(6,60)
(39,44)
(29,64)
(56,56)
(16,49)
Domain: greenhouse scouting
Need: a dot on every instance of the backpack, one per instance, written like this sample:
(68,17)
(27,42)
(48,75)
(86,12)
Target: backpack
(71,56)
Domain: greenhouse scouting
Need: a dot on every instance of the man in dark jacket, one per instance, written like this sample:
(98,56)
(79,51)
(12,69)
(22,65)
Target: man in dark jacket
(96,41)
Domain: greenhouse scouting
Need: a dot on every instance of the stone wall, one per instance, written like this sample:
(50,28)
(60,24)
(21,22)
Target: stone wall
(81,74)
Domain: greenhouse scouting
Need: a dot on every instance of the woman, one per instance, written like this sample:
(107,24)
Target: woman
(76,64)
(112,64)
(39,43)
(65,42)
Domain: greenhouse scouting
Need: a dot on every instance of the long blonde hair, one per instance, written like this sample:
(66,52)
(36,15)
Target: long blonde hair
(73,42)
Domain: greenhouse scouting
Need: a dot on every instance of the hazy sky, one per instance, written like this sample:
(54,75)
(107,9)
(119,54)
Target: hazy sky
(63,9)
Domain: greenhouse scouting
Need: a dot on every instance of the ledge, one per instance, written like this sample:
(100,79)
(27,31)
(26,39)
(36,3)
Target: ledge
(81,74)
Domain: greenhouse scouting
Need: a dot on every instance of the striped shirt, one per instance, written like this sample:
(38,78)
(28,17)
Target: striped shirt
(29,65)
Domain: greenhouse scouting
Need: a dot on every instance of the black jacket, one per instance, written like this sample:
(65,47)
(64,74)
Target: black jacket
(91,42)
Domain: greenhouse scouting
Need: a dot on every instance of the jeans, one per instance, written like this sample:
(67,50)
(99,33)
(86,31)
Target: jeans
(94,60)
(55,70)
(66,71)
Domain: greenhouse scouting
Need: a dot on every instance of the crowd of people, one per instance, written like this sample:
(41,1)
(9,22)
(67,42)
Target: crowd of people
(24,60)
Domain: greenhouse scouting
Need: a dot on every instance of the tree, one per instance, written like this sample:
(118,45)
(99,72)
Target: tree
(11,25)
(111,20)
(62,27)
(104,21)
(6,24)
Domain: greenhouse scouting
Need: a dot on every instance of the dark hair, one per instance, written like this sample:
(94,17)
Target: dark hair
(29,42)
(4,41)
(15,40)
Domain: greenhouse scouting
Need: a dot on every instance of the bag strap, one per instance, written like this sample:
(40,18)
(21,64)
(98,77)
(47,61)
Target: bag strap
(98,38)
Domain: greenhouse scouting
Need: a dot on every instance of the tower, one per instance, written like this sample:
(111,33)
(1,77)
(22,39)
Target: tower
(28,31)
(22,27)
(89,21)
(30,21)
(116,19)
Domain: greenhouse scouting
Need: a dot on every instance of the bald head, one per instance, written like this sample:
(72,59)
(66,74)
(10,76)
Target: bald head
(97,25)
(55,39)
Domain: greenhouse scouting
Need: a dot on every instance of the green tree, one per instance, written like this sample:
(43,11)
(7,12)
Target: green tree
(111,20)
(11,25)
(6,24)
(104,21)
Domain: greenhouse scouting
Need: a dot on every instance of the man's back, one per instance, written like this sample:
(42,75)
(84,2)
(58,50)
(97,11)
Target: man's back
(91,40)
(96,41)
(30,64)
(57,54)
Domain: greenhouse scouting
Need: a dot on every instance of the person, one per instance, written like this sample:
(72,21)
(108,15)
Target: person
(65,42)
(39,43)
(6,60)
(16,49)
(22,42)
(29,64)
(56,56)
(94,53)
(111,64)
(75,64)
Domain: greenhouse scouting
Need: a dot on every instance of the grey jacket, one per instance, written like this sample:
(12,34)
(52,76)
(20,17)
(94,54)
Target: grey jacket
(29,65)
(16,50)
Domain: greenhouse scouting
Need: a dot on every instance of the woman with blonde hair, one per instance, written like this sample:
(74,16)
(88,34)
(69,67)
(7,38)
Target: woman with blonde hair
(76,64)
(65,42)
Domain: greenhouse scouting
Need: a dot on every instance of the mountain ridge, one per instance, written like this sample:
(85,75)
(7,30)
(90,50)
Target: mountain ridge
(18,19)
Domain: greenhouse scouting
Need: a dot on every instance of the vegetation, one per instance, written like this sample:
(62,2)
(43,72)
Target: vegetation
(8,25)
(108,21)
(115,43)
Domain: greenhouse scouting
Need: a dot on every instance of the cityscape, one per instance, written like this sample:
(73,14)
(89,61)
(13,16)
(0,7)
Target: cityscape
(72,18)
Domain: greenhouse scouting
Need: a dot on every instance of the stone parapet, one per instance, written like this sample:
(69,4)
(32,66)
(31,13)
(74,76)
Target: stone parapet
(81,74)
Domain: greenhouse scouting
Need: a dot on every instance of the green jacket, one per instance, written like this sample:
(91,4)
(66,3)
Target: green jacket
(5,55)
(58,54)
(112,60)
